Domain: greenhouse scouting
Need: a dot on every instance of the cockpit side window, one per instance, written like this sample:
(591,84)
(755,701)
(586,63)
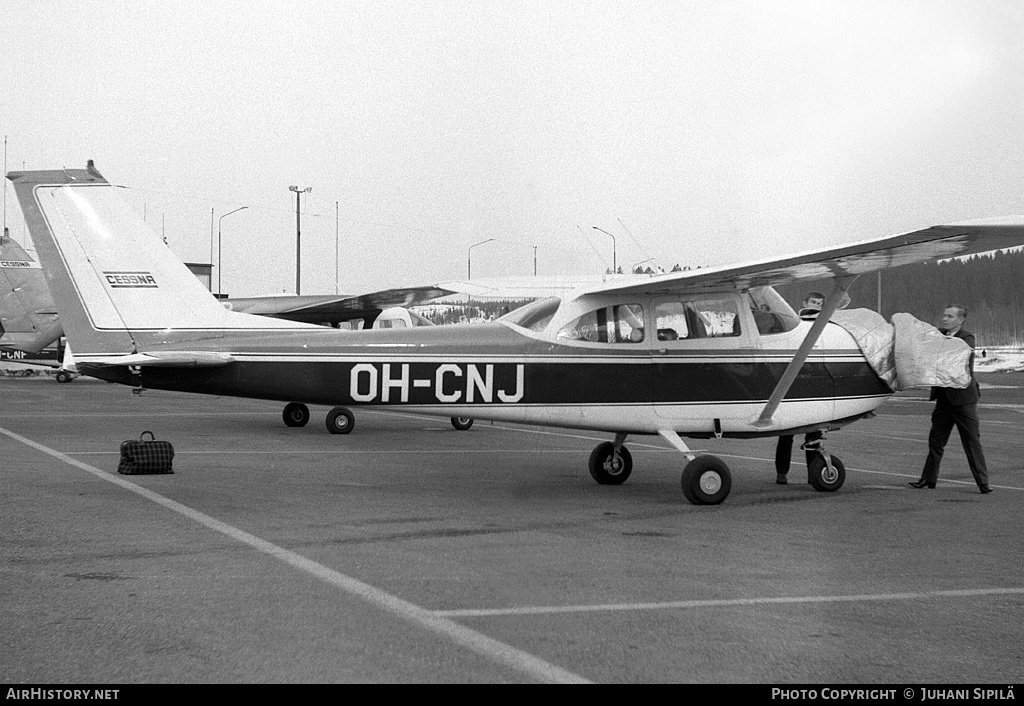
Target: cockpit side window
(621,323)
(697,318)
(771,312)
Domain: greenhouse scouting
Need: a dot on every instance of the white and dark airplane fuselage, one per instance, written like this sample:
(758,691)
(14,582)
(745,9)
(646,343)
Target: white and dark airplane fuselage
(502,372)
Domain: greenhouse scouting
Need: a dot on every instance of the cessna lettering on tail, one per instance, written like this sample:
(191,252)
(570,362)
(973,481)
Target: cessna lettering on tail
(425,383)
(130,279)
(19,264)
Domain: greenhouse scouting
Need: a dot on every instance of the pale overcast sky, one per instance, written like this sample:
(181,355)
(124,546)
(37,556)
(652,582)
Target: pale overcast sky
(700,132)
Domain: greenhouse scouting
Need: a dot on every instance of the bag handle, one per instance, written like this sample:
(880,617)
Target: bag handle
(151,437)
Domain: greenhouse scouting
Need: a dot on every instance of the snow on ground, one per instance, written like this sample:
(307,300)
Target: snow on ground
(999,360)
(11,369)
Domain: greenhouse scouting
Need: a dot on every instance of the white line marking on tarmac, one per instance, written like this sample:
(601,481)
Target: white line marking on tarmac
(476,642)
(725,602)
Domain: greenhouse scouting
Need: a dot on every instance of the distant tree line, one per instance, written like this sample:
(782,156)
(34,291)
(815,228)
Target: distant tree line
(990,286)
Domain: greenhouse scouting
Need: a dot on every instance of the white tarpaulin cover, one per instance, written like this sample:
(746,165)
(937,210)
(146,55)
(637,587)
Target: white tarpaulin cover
(925,357)
(908,352)
(875,336)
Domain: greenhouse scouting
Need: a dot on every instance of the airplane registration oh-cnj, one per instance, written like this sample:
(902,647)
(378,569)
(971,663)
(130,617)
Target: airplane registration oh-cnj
(700,353)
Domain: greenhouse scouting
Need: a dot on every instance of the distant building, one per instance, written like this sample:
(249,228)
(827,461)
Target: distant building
(203,272)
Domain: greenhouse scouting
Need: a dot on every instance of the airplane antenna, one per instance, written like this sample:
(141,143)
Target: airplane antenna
(5,191)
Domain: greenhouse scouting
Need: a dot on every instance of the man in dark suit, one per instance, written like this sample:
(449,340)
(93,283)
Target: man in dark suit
(955,407)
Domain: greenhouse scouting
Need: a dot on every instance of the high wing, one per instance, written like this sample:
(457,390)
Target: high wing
(334,308)
(937,242)
(528,287)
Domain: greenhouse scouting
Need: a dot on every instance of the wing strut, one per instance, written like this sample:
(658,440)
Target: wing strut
(832,302)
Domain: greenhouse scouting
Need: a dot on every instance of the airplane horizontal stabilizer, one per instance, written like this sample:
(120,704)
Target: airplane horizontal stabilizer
(171,359)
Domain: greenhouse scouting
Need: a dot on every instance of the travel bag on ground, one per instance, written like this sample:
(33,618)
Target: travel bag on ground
(145,456)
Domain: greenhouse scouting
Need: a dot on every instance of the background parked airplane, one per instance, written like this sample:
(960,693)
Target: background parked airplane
(28,317)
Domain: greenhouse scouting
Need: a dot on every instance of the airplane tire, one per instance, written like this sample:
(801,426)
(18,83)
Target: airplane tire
(606,469)
(63,377)
(340,421)
(462,423)
(295,414)
(824,480)
(706,480)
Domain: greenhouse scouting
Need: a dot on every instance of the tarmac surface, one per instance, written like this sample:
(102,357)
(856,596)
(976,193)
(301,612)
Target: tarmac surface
(408,551)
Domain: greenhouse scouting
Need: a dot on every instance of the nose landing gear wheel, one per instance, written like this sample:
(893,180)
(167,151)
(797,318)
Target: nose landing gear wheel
(825,479)
(706,480)
(609,468)
(295,414)
(462,423)
(340,421)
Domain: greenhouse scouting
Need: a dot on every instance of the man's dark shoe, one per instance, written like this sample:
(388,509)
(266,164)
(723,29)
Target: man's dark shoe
(780,479)
(923,484)
(984,489)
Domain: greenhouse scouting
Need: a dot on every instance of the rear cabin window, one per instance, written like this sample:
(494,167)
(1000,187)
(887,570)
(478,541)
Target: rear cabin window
(534,316)
(696,318)
(772,313)
(622,323)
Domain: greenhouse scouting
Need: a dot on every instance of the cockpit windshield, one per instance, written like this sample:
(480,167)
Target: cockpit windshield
(772,313)
(534,316)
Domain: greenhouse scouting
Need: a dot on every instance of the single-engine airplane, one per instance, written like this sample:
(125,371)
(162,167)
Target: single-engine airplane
(713,352)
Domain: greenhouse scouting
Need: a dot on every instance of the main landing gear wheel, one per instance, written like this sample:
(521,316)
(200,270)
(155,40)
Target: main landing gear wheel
(608,467)
(64,376)
(340,421)
(706,480)
(462,423)
(825,479)
(295,414)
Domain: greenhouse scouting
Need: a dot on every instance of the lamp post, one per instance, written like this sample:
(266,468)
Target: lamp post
(298,237)
(534,260)
(469,257)
(219,290)
(615,264)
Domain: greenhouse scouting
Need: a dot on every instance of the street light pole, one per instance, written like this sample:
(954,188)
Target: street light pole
(615,265)
(534,260)
(298,237)
(219,290)
(469,257)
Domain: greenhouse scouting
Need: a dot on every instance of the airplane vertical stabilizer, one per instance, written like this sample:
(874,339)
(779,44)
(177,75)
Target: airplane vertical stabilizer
(28,318)
(109,273)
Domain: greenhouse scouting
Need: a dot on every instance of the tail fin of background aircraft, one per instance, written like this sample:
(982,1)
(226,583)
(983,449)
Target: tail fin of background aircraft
(28,318)
(108,272)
